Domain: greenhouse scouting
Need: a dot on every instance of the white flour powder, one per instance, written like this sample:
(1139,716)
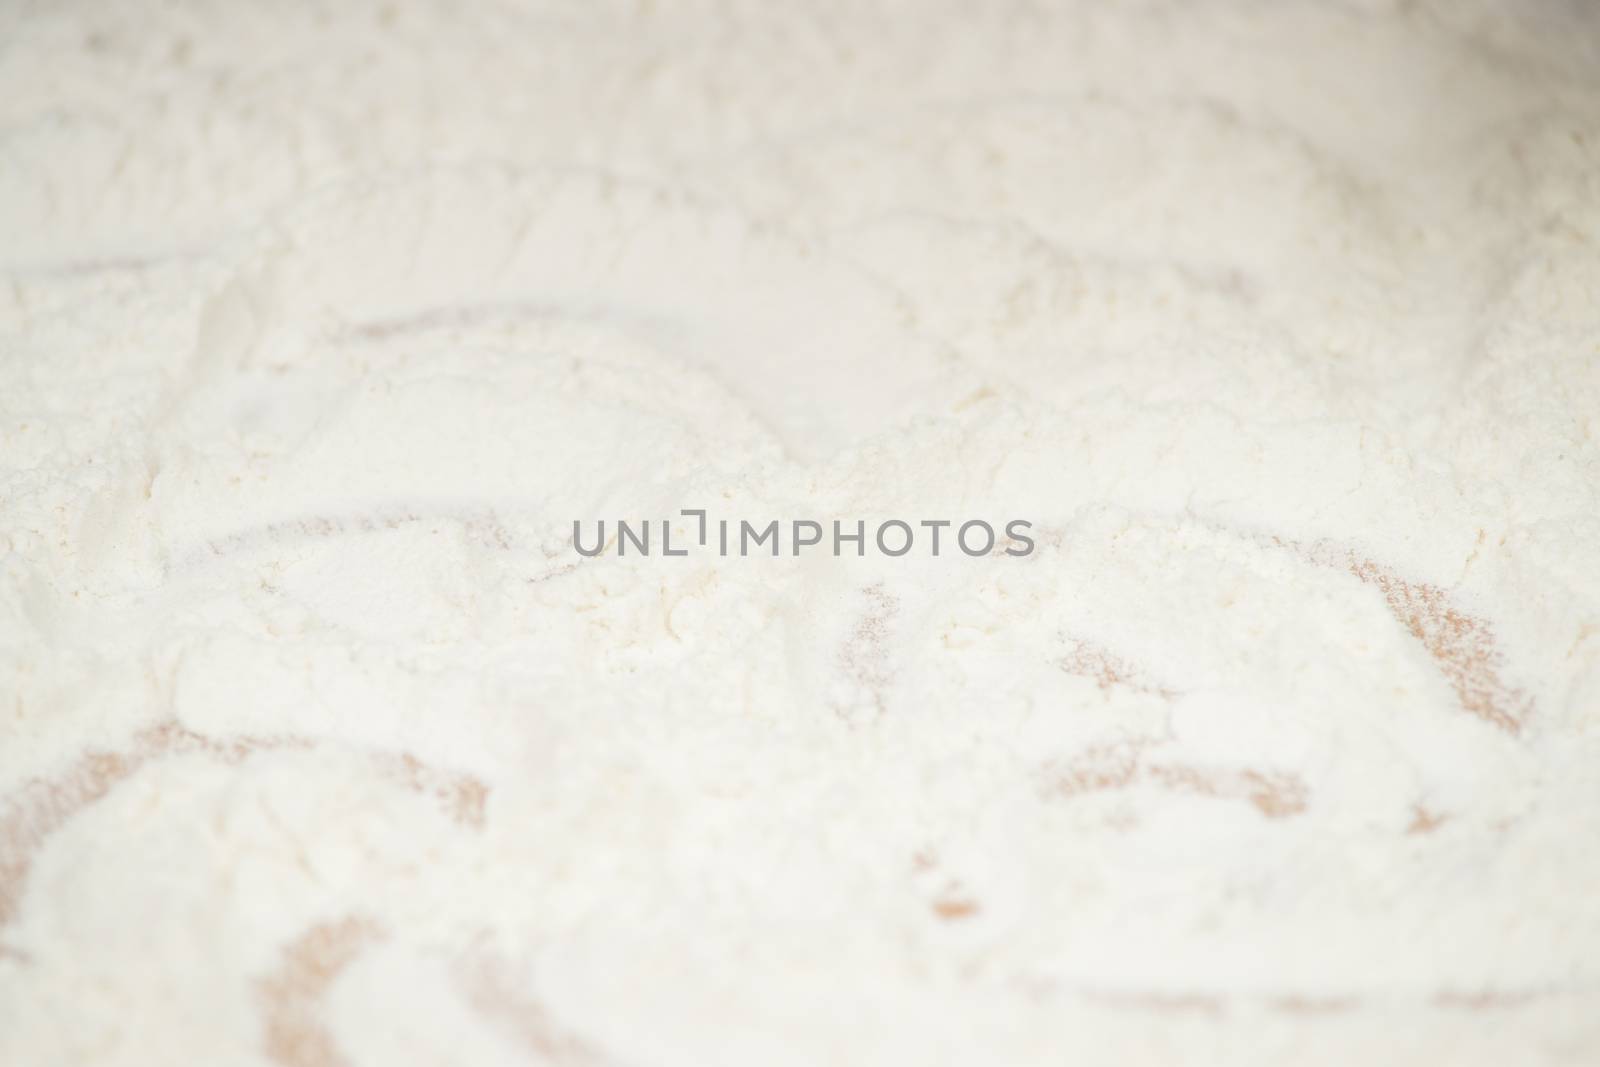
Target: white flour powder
(321,324)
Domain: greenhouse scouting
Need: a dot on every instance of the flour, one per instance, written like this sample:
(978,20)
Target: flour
(320,743)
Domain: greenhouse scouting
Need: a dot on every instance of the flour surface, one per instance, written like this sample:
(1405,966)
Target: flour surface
(320,324)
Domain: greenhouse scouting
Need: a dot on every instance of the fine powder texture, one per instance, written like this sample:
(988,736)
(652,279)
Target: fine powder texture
(321,324)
